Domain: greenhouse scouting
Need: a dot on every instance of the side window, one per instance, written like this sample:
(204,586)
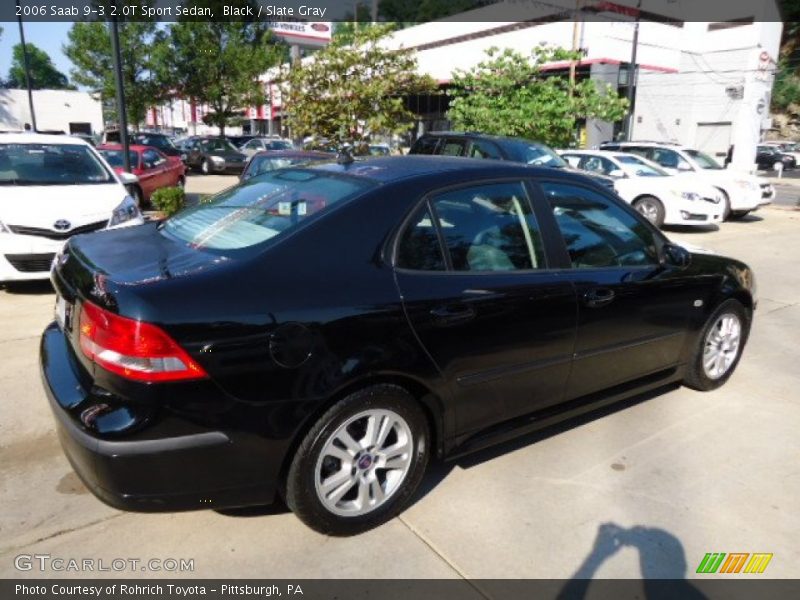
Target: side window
(573,160)
(419,245)
(597,231)
(482,149)
(597,164)
(489,228)
(425,145)
(669,159)
(149,158)
(453,147)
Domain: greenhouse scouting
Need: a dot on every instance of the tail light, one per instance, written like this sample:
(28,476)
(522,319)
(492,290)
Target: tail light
(133,349)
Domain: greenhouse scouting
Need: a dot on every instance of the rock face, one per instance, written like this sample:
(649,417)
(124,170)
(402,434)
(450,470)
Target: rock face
(785,125)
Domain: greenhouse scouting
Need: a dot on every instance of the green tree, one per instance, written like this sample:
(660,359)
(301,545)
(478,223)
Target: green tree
(349,92)
(219,62)
(509,94)
(44,75)
(89,49)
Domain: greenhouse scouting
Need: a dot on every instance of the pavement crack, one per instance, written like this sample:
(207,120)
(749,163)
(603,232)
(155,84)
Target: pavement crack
(59,533)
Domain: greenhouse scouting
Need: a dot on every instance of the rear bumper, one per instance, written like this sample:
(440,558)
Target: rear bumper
(207,469)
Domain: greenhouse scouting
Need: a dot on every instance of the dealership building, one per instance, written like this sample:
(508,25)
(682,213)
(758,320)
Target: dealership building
(62,111)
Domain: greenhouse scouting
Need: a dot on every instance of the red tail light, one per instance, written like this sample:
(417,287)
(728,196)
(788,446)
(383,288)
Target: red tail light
(133,349)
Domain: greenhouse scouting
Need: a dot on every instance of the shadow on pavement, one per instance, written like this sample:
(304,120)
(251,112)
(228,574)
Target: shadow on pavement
(31,288)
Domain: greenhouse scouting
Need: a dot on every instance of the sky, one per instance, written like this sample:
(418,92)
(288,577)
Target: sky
(47,36)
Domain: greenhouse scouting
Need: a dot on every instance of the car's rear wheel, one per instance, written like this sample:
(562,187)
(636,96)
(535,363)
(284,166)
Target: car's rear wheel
(205,168)
(360,463)
(651,208)
(181,182)
(719,347)
(726,204)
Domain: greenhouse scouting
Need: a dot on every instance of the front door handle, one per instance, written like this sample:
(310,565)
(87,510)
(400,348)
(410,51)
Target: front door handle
(598,297)
(452,314)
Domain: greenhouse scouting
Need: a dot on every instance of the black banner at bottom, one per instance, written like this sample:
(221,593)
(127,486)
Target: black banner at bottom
(406,589)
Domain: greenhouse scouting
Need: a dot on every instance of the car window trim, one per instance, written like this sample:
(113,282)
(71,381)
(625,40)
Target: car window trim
(427,198)
(659,238)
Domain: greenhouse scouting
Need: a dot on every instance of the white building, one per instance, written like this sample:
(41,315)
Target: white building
(64,111)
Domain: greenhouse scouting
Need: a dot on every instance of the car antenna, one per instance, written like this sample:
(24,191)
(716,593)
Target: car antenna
(345,156)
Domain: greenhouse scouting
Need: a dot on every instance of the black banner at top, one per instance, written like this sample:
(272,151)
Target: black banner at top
(407,11)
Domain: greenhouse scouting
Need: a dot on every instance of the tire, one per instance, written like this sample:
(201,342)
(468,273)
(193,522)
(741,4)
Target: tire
(739,214)
(726,205)
(699,376)
(651,208)
(339,508)
(205,168)
(138,196)
(181,182)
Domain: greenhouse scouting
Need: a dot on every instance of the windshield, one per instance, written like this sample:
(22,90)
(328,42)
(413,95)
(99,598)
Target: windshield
(218,145)
(636,166)
(262,209)
(278,145)
(264,163)
(541,156)
(703,159)
(115,158)
(51,164)
(161,142)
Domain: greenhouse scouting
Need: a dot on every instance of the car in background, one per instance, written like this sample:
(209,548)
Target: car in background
(51,188)
(264,162)
(154,169)
(478,145)
(160,141)
(662,198)
(741,192)
(85,137)
(261,144)
(787,147)
(214,154)
(379,150)
(240,140)
(771,158)
(323,333)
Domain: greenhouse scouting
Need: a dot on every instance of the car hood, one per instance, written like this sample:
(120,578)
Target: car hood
(41,206)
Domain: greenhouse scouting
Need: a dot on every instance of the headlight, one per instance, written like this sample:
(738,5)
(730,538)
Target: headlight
(3,228)
(686,195)
(126,211)
(217,160)
(745,185)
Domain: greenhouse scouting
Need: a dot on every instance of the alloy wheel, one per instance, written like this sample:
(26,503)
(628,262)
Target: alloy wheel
(364,462)
(722,345)
(649,209)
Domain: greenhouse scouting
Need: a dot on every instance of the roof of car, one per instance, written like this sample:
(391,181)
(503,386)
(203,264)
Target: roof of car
(40,138)
(393,168)
(477,134)
(134,147)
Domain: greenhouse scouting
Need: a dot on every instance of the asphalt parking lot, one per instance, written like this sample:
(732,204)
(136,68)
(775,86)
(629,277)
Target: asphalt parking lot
(643,490)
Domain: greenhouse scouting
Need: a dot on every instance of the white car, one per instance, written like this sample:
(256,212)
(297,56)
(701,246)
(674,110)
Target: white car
(261,144)
(741,192)
(663,199)
(53,187)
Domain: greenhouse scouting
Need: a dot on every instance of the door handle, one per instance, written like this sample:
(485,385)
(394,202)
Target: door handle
(452,314)
(598,297)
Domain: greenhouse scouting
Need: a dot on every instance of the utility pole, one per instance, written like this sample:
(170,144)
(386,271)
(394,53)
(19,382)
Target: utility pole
(374,11)
(575,44)
(632,75)
(122,115)
(27,68)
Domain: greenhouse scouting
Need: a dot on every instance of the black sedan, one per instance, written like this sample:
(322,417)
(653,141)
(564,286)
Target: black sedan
(322,332)
(770,158)
(214,154)
(159,141)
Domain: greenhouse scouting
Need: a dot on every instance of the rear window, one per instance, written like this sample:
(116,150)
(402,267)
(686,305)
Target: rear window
(262,209)
(51,164)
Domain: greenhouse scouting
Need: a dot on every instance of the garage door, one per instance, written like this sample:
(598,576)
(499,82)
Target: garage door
(714,138)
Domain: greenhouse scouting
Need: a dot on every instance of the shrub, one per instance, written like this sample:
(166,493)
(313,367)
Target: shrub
(169,200)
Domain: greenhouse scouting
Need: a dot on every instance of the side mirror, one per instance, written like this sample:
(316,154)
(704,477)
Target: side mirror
(684,166)
(675,255)
(128,178)
(617,174)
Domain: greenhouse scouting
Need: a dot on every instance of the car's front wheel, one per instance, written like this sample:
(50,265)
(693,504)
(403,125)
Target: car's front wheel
(360,463)
(651,208)
(719,347)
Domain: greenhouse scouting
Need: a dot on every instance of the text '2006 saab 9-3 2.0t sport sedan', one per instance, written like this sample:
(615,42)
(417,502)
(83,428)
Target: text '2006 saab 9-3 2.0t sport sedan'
(321,332)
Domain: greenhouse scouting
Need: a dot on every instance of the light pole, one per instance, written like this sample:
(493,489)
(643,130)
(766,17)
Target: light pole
(27,67)
(632,75)
(122,116)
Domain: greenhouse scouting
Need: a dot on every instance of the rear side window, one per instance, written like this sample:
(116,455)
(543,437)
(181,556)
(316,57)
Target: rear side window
(425,145)
(453,147)
(489,227)
(482,149)
(419,247)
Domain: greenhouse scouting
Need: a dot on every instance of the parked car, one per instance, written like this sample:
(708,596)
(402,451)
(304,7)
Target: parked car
(161,142)
(212,154)
(786,147)
(379,150)
(261,144)
(154,169)
(240,140)
(663,199)
(770,158)
(741,192)
(478,145)
(264,162)
(54,187)
(323,332)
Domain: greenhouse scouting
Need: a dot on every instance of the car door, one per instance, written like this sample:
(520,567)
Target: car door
(153,171)
(476,288)
(633,310)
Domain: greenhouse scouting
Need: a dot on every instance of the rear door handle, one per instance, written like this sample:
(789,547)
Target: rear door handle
(452,314)
(598,297)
